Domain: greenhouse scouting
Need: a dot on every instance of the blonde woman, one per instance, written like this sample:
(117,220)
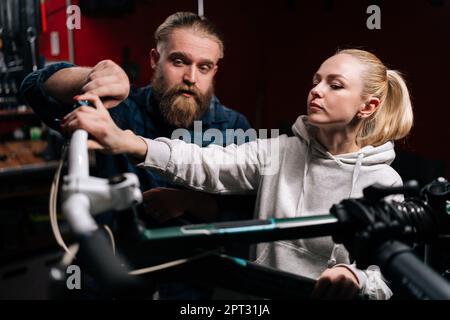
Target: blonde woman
(356,109)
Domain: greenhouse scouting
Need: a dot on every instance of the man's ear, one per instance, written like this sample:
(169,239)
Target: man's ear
(154,58)
(216,67)
(369,107)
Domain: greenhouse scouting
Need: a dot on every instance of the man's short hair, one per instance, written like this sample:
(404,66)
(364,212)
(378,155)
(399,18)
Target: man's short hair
(188,20)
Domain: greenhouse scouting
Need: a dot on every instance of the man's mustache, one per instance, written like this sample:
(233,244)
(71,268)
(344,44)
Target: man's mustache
(186,89)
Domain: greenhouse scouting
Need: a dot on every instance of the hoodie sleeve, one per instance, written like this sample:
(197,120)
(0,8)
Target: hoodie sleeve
(214,169)
(372,284)
(396,197)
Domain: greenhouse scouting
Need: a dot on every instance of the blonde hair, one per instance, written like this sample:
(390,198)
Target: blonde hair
(393,118)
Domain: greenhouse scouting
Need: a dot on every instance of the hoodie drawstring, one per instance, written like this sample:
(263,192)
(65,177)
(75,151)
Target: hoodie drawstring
(305,172)
(332,261)
(356,171)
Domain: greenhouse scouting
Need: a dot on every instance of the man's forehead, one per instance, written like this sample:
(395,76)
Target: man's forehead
(194,44)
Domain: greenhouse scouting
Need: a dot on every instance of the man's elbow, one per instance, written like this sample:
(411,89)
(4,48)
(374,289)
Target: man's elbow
(27,85)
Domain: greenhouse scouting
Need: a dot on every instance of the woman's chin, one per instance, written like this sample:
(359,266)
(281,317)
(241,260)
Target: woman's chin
(316,119)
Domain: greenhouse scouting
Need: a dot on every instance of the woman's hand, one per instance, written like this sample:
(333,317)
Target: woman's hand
(336,283)
(98,123)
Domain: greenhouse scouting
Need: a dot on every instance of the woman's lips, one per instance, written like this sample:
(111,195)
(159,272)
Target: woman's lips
(315,106)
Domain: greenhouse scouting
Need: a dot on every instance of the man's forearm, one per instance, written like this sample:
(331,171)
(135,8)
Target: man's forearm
(66,83)
(201,205)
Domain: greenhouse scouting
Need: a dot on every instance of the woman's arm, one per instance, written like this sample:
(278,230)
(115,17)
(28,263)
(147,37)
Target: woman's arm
(215,169)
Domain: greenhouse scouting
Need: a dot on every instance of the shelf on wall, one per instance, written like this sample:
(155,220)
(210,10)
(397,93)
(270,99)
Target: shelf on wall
(17,114)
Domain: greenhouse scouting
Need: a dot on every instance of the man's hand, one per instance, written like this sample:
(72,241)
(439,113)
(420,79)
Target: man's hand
(108,81)
(108,137)
(163,204)
(336,283)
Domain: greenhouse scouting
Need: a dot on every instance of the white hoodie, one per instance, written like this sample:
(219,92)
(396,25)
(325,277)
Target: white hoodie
(293,176)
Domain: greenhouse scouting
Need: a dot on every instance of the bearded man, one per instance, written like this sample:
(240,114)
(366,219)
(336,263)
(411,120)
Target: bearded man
(185,61)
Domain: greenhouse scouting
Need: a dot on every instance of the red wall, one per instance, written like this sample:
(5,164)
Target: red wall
(274,47)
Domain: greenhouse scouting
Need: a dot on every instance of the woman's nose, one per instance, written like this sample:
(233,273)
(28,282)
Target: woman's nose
(316,92)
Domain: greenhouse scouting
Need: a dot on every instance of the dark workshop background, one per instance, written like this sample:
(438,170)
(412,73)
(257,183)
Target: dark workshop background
(272,49)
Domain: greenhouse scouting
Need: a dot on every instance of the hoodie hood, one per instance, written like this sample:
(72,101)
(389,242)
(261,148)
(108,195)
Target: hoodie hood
(362,163)
(360,160)
(366,156)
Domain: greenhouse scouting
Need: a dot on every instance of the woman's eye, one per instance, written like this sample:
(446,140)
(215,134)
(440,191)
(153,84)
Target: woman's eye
(336,86)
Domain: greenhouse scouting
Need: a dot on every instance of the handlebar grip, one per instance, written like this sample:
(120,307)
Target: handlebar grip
(108,269)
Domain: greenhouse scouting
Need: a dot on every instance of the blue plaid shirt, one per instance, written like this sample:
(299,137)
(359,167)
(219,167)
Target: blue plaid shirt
(138,113)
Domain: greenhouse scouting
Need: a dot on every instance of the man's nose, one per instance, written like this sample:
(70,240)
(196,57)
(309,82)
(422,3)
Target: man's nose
(190,75)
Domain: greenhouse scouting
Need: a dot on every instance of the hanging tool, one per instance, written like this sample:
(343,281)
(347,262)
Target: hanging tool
(31,37)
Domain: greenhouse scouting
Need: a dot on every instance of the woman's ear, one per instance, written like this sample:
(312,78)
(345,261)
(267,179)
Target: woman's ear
(369,108)
(154,58)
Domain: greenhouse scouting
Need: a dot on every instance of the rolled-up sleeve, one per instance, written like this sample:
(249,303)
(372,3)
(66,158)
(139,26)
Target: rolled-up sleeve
(32,91)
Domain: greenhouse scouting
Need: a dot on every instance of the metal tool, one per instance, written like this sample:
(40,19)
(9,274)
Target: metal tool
(31,37)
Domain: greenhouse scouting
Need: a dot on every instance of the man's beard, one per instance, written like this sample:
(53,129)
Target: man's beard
(179,110)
